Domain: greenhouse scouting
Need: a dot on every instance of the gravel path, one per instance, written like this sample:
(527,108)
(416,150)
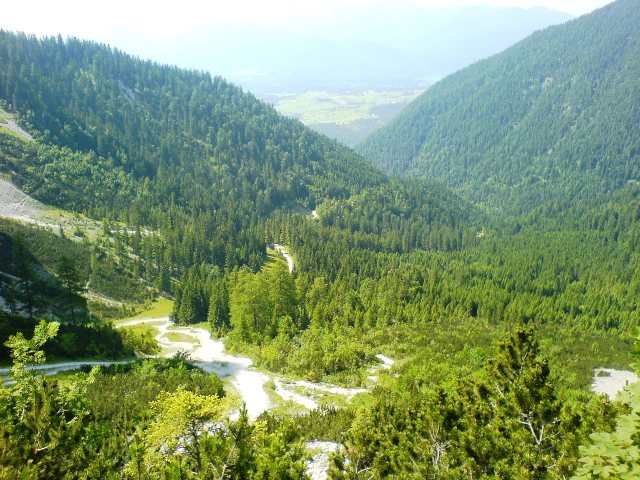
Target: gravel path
(283,251)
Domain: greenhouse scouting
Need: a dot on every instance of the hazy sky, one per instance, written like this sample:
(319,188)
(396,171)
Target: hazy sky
(104,19)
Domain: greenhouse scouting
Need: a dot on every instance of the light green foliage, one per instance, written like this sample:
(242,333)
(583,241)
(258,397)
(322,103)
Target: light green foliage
(263,305)
(40,423)
(248,306)
(25,353)
(140,339)
(190,437)
(218,313)
(120,400)
(612,455)
(181,419)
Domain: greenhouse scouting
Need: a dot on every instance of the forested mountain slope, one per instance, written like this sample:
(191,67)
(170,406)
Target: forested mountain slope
(552,119)
(121,138)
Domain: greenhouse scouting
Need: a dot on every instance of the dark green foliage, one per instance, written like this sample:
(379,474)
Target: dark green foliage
(23,266)
(552,119)
(69,276)
(92,340)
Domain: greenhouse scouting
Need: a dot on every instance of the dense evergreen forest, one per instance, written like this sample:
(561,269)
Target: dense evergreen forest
(553,119)
(496,317)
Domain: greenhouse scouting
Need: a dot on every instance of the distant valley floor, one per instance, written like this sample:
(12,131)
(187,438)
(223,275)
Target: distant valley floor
(346,117)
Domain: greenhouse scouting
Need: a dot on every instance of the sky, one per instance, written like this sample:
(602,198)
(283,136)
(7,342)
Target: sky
(101,20)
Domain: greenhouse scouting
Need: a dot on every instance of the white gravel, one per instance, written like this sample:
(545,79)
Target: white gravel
(209,355)
(17,205)
(14,203)
(386,361)
(287,394)
(610,382)
(318,466)
(285,253)
(348,393)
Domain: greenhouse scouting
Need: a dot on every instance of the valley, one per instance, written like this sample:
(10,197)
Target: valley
(194,285)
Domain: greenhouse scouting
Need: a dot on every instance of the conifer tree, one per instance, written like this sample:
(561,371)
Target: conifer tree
(24,271)
(70,279)
(218,315)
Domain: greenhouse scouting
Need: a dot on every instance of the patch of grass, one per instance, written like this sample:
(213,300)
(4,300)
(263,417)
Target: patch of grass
(162,307)
(142,329)
(181,337)
(323,398)
(273,258)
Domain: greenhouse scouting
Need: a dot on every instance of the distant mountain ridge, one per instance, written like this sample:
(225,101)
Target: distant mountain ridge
(552,119)
(358,48)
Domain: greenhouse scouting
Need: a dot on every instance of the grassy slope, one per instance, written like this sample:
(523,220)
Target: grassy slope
(162,307)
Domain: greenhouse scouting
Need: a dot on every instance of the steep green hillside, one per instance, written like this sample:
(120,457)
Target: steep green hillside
(152,145)
(44,276)
(552,119)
